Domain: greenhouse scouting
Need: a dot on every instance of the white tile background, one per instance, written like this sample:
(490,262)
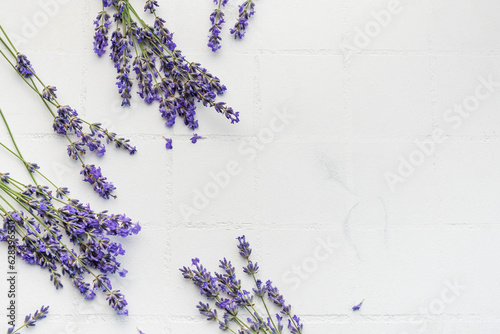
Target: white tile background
(355,108)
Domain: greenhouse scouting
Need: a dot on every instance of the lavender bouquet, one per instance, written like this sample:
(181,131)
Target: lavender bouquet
(226,292)
(47,228)
(162,73)
(67,123)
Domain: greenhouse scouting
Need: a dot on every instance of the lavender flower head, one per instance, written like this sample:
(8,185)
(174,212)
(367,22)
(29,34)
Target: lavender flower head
(23,66)
(102,23)
(247,10)
(93,175)
(217,19)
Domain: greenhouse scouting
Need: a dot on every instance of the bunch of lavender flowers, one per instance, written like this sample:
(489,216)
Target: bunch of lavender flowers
(90,137)
(224,290)
(162,73)
(246,10)
(61,234)
(217,19)
(30,320)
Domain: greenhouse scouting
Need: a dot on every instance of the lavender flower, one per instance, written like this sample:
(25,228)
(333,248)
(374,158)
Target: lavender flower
(357,307)
(247,10)
(150,5)
(195,138)
(102,23)
(49,93)
(30,321)
(168,144)
(23,66)
(225,290)
(163,75)
(217,19)
(92,175)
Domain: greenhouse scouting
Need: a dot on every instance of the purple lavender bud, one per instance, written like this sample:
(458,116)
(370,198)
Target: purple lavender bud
(295,328)
(195,138)
(49,94)
(23,66)
(251,268)
(150,5)
(32,167)
(206,311)
(4,177)
(357,307)
(168,144)
(260,291)
(244,247)
(117,302)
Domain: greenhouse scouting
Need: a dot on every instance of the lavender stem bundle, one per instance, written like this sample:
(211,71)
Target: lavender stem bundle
(162,73)
(67,122)
(61,234)
(225,291)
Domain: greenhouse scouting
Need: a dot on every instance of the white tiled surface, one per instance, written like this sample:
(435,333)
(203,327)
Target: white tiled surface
(332,104)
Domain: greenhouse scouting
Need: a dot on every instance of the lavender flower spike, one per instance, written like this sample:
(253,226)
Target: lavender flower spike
(102,23)
(217,19)
(93,175)
(247,10)
(30,321)
(23,66)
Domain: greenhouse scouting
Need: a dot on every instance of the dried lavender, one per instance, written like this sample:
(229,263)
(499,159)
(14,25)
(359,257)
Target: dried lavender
(226,293)
(162,73)
(217,19)
(246,10)
(67,121)
(61,234)
(30,320)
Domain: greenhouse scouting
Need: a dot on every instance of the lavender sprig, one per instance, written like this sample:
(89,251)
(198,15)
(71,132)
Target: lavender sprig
(30,321)
(227,294)
(217,19)
(66,120)
(162,73)
(41,218)
(246,10)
